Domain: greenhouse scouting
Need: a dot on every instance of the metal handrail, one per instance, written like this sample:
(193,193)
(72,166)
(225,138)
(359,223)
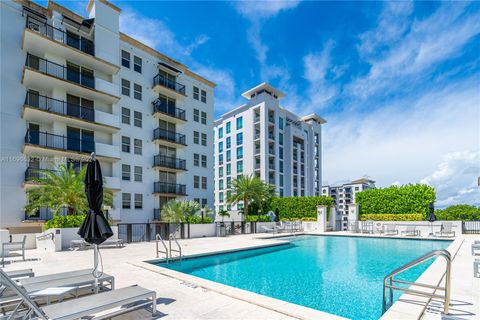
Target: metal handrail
(389,281)
(46,236)
(179,250)
(158,238)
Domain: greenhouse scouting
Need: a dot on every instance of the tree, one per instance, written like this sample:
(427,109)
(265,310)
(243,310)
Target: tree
(172,211)
(459,212)
(189,208)
(62,188)
(266,196)
(247,189)
(223,214)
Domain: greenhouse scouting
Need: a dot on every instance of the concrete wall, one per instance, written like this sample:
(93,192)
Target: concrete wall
(61,239)
(202,230)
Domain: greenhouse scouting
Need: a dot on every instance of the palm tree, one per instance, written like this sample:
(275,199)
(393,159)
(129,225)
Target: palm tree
(246,189)
(223,214)
(190,208)
(172,211)
(266,196)
(62,188)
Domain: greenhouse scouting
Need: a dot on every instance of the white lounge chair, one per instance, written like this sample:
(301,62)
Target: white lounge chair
(445,230)
(22,273)
(19,245)
(105,305)
(475,246)
(476,268)
(390,229)
(268,230)
(411,231)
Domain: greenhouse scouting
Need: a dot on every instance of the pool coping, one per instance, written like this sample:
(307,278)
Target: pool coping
(401,309)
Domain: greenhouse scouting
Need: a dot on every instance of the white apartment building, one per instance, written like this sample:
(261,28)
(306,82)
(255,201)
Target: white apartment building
(72,85)
(344,196)
(262,138)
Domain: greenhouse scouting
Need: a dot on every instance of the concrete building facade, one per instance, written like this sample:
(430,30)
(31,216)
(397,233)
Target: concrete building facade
(264,139)
(72,85)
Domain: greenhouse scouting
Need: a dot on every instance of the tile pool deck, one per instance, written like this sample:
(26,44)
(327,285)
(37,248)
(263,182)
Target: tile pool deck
(182,296)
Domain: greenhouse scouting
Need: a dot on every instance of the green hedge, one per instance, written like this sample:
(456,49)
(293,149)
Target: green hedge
(463,212)
(407,199)
(197,220)
(296,208)
(252,218)
(392,217)
(65,222)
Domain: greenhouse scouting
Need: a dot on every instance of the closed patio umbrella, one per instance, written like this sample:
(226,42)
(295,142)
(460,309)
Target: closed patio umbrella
(431,217)
(95,228)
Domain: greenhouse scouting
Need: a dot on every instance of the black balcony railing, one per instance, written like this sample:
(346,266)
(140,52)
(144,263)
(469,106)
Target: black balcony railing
(49,140)
(163,81)
(162,106)
(32,174)
(170,188)
(43,214)
(56,34)
(156,214)
(59,71)
(35,100)
(171,136)
(169,162)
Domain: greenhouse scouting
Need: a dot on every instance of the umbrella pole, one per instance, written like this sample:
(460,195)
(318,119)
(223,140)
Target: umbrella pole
(95,268)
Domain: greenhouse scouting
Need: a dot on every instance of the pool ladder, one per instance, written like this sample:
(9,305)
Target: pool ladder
(389,281)
(168,250)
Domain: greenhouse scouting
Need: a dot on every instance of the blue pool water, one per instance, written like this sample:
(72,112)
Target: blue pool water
(339,275)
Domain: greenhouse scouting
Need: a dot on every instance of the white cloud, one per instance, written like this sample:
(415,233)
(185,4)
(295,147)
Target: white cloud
(455,179)
(263,9)
(404,141)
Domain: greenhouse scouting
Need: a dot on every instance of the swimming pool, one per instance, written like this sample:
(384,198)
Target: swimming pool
(338,275)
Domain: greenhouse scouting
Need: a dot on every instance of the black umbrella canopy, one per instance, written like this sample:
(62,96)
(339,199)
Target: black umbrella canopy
(431,215)
(95,228)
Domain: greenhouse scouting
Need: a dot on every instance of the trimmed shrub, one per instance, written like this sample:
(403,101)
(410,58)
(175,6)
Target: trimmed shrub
(65,222)
(197,220)
(407,199)
(306,219)
(392,217)
(463,212)
(252,218)
(296,208)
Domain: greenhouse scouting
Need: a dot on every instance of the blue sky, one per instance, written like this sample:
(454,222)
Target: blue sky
(398,82)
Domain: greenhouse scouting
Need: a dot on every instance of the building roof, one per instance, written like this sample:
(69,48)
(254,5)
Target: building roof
(263,86)
(315,117)
(362,180)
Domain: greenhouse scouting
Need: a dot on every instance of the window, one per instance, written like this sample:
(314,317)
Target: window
(356,189)
(125,115)
(196,182)
(229,142)
(220,133)
(204,96)
(220,146)
(204,182)
(229,155)
(229,127)
(280,165)
(239,123)
(126,87)
(239,139)
(138,201)
(281,180)
(137,91)
(196,137)
(280,152)
(196,93)
(125,144)
(280,123)
(137,64)
(204,139)
(229,169)
(126,199)
(239,152)
(126,172)
(125,59)
(220,172)
(220,159)
(137,119)
(196,159)
(204,161)
(280,138)
(204,117)
(204,202)
(138,174)
(196,115)
(220,184)
(220,197)
(229,182)
(137,146)
(239,166)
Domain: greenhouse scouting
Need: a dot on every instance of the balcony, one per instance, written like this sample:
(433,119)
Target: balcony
(43,108)
(271,151)
(169,136)
(162,108)
(271,136)
(169,162)
(43,214)
(161,84)
(42,73)
(170,188)
(107,151)
(33,175)
(271,166)
(40,38)
(112,183)
(58,142)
